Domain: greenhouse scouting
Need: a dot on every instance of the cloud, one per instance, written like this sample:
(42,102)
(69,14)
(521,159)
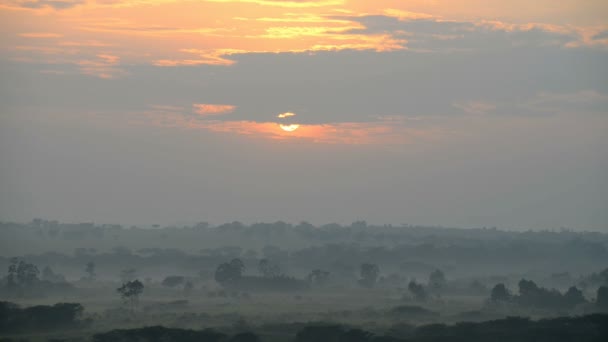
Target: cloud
(288,3)
(285,115)
(208,57)
(36,4)
(601,35)
(40,35)
(391,131)
(350,133)
(588,100)
(103,66)
(433,34)
(213,109)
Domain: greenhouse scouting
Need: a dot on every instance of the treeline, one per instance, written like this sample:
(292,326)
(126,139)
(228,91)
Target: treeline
(591,328)
(14,319)
(534,296)
(428,243)
(68,316)
(343,260)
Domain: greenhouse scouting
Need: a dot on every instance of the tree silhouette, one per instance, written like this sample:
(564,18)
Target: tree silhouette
(417,291)
(500,293)
(573,297)
(229,271)
(21,274)
(130,292)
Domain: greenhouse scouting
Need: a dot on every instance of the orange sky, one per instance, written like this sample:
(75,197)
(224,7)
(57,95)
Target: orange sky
(102,38)
(169,33)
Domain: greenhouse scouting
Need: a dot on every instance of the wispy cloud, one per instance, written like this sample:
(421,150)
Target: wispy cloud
(103,66)
(285,115)
(40,35)
(213,109)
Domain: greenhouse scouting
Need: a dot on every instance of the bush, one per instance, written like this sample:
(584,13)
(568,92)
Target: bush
(40,317)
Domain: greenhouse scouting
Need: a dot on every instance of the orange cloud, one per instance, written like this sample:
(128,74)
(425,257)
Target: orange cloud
(285,115)
(358,133)
(188,33)
(287,3)
(103,66)
(40,35)
(213,109)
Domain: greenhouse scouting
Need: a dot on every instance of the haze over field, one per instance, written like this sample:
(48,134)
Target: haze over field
(456,113)
(303,170)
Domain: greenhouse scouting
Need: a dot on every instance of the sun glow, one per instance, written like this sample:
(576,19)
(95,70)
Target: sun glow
(289,128)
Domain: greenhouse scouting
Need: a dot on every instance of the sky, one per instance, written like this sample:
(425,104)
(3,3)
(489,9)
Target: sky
(459,113)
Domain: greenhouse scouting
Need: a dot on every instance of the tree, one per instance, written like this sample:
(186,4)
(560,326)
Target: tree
(602,297)
(527,288)
(21,274)
(229,271)
(369,275)
(417,291)
(574,297)
(90,270)
(130,292)
(437,280)
(500,293)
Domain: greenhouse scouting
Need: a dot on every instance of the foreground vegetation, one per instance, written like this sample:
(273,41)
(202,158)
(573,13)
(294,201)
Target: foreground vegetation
(280,282)
(66,319)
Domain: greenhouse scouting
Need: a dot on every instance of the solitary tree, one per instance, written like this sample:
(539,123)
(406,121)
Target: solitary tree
(21,274)
(417,291)
(369,275)
(500,293)
(130,292)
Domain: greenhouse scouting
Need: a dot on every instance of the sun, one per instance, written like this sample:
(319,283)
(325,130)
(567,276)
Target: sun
(289,128)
